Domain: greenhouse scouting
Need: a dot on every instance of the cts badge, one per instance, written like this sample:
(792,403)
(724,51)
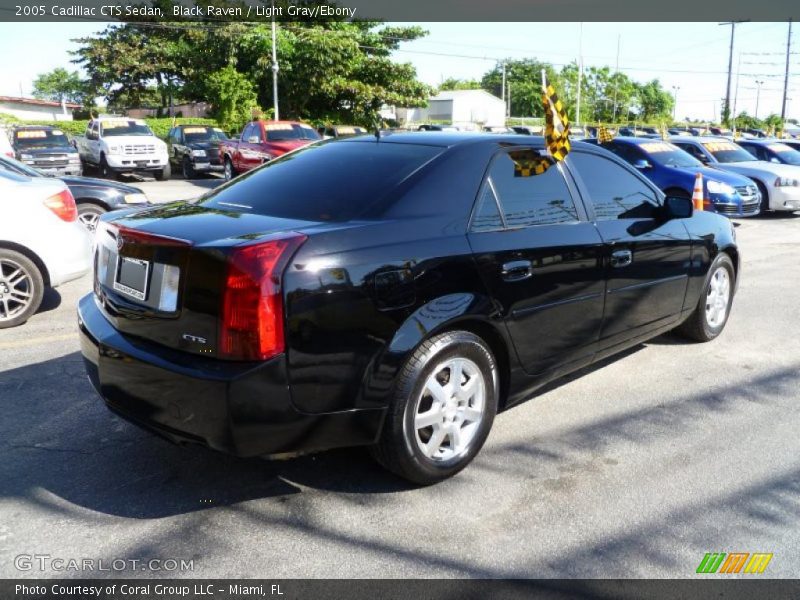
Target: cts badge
(196,339)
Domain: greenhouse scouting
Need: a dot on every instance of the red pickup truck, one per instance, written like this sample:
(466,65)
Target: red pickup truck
(261,141)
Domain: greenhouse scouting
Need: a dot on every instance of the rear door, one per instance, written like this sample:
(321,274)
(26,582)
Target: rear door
(541,260)
(647,260)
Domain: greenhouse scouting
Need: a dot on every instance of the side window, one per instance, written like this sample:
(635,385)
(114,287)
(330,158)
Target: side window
(615,192)
(248,131)
(528,198)
(693,150)
(487,214)
(257,133)
(627,153)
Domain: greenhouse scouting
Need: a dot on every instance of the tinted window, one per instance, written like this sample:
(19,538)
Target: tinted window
(203,134)
(487,215)
(615,192)
(123,127)
(328,182)
(530,199)
(626,152)
(783,152)
(41,138)
(693,150)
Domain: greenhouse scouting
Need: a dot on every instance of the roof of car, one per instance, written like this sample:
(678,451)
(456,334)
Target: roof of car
(46,127)
(699,138)
(451,138)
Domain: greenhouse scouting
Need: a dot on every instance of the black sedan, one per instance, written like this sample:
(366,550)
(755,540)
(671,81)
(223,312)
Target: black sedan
(93,197)
(393,292)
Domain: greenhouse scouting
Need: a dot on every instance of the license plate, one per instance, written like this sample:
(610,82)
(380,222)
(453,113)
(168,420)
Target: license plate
(131,277)
(141,163)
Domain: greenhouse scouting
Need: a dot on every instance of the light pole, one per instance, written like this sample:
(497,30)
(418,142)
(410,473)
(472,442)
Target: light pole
(675,89)
(758,94)
(276,116)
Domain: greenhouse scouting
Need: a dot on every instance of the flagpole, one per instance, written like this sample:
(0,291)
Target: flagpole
(580,76)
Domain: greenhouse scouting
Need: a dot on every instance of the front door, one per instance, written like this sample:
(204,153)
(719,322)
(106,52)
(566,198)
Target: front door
(541,260)
(647,259)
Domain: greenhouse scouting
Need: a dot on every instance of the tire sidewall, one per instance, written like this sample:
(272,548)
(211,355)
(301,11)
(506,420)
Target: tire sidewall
(721,261)
(459,344)
(38,287)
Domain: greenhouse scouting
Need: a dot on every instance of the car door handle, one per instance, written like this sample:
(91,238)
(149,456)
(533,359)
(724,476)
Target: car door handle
(517,270)
(621,258)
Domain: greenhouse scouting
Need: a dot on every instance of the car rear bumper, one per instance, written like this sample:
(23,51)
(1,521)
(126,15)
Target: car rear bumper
(243,409)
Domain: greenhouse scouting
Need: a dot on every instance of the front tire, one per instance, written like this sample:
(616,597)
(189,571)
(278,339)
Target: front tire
(444,406)
(105,170)
(164,173)
(762,189)
(712,310)
(230,172)
(187,168)
(89,215)
(21,288)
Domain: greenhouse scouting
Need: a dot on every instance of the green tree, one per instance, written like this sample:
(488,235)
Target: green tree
(655,102)
(59,85)
(523,84)
(233,97)
(452,83)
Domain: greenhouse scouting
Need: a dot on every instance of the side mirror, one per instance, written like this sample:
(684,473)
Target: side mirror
(253,139)
(774,160)
(677,208)
(642,164)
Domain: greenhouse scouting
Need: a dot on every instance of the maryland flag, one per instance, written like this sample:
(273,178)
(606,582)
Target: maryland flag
(604,135)
(556,130)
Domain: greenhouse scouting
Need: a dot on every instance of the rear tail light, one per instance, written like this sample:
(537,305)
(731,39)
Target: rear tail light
(252,303)
(63,205)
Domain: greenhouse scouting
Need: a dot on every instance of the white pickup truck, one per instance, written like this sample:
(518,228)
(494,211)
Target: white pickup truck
(117,145)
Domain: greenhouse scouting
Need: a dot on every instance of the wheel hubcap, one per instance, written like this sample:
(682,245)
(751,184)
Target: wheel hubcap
(89,220)
(450,409)
(16,289)
(719,293)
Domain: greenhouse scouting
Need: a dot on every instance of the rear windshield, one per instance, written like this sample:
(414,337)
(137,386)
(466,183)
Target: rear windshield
(289,131)
(325,182)
(40,138)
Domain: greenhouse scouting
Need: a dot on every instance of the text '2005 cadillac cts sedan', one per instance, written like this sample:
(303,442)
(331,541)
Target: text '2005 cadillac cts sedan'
(391,292)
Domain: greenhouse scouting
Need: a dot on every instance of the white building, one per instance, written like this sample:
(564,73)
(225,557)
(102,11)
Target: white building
(463,108)
(32,109)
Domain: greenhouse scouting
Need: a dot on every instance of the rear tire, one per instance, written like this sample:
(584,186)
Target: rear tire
(714,306)
(434,428)
(21,288)
(229,172)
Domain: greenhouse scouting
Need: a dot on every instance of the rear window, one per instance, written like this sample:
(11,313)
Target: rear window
(325,182)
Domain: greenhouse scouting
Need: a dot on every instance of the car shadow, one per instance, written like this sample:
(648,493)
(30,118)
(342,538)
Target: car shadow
(51,300)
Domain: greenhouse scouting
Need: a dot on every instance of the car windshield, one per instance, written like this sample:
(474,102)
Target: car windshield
(203,134)
(666,154)
(14,166)
(323,182)
(277,132)
(728,152)
(124,127)
(39,138)
(785,153)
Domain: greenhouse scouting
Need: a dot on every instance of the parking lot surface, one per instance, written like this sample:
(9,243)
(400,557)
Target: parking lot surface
(636,468)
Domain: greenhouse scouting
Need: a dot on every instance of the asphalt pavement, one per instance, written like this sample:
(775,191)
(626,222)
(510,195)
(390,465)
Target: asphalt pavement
(634,468)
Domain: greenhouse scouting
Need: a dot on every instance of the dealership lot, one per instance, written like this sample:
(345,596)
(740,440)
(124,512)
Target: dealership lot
(637,468)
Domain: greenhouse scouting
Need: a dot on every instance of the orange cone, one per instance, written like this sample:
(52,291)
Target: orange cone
(697,195)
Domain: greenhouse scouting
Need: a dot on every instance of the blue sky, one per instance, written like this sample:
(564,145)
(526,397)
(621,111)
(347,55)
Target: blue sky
(692,56)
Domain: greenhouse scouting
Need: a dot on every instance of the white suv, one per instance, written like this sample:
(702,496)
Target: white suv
(121,145)
(42,243)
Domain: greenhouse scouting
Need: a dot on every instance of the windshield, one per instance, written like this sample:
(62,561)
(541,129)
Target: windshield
(203,134)
(785,153)
(668,155)
(14,166)
(118,128)
(39,138)
(728,152)
(277,132)
(326,182)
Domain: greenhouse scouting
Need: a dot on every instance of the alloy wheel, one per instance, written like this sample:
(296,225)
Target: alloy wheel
(89,220)
(718,296)
(450,409)
(16,289)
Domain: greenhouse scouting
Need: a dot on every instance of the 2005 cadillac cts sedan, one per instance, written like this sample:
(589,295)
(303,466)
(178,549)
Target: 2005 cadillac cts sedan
(393,292)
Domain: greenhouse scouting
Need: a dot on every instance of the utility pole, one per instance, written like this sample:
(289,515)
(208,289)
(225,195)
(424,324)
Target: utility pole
(726,112)
(503,85)
(616,87)
(675,89)
(276,116)
(580,75)
(758,94)
(786,76)
(508,107)
(736,90)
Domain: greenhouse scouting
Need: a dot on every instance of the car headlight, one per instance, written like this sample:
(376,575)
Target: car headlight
(718,187)
(135,199)
(113,149)
(25,156)
(786,182)
(199,153)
